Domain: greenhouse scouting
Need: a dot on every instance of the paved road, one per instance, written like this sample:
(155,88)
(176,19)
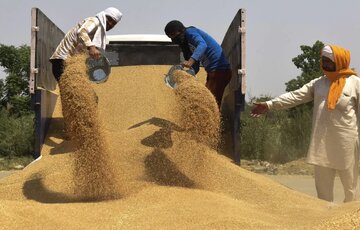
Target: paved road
(306,184)
(6,173)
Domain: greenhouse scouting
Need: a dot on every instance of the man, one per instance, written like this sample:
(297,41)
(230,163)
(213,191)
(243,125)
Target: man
(334,141)
(89,34)
(197,46)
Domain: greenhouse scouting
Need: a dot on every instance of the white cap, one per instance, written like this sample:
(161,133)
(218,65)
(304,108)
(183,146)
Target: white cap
(327,52)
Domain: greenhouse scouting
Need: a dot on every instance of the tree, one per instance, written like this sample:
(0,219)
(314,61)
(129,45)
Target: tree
(309,64)
(16,117)
(15,90)
(1,88)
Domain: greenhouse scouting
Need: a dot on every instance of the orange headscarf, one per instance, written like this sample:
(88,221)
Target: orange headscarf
(338,78)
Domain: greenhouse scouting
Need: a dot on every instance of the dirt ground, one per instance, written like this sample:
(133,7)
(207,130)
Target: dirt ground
(296,167)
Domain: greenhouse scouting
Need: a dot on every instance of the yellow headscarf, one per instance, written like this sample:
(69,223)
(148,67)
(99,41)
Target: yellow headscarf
(338,78)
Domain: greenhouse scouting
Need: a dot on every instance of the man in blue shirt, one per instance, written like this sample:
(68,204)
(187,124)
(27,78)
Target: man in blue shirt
(199,47)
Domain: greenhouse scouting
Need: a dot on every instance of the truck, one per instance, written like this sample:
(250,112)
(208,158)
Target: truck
(136,49)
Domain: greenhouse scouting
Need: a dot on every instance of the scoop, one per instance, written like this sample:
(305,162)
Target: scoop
(169,77)
(98,69)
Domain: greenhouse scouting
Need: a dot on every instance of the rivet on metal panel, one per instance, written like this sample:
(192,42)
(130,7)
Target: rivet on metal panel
(241,71)
(34,70)
(34,28)
(241,29)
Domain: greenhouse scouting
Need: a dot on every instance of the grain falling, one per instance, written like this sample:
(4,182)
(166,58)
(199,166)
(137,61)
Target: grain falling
(93,174)
(199,114)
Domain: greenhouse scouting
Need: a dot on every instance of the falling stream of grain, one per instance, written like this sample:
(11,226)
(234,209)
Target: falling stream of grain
(93,173)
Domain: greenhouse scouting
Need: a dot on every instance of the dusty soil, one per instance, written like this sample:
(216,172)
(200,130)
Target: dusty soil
(296,167)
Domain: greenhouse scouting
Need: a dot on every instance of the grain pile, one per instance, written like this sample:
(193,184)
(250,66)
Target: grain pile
(348,221)
(168,181)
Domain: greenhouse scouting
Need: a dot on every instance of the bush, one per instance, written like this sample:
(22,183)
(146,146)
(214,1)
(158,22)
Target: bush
(296,133)
(19,106)
(278,136)
(16,134)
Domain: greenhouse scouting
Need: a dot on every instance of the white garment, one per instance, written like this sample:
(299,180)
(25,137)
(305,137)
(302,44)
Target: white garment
(335,133)
(77,39)
(89,32)
(99,37)
(325,178)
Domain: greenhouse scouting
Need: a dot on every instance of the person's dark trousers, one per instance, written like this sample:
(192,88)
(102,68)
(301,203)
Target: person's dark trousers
(57,68)
(216,82)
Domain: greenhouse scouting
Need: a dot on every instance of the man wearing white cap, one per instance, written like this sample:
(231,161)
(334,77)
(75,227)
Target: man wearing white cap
(336,115)
(88,34)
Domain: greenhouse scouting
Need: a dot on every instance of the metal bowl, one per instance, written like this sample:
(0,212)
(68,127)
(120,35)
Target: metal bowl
(98,69)
(169,77)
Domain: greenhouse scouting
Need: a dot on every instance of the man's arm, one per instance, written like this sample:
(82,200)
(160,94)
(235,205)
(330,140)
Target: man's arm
(196,39)
(90,26)
(287,100)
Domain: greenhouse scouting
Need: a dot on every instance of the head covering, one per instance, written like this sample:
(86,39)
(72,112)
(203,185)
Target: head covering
(174,26)
(327,52)
(113,13)
(99,36)
(337,78)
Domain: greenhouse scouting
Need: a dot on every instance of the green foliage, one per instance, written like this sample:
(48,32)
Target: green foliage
(2,86)
(16,117)
(19,105)
(14,91)
(275,136)
(309,64)
(15,59)
(295,135)
(16,134)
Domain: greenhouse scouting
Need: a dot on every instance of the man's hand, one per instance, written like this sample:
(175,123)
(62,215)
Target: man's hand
(94,52)
(188,63)
(259,108)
